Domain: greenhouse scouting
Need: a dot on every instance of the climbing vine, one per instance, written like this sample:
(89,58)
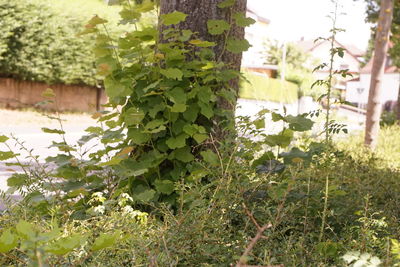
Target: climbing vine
(165,86)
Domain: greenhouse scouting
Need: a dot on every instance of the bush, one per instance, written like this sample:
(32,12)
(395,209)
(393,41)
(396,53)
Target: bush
(38,43)
(388,118)
(80,211)
(215,222)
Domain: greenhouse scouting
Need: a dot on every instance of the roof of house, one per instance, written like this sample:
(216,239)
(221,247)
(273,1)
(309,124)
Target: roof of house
(258,16)
(309,46)
(354,50)
(389,68)
(306,45)
(357,79)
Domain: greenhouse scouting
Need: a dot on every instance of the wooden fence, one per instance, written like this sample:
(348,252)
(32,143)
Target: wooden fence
(21,94)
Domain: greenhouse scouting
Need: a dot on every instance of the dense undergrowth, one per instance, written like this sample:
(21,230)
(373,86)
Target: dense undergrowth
(150,185)
(214,222)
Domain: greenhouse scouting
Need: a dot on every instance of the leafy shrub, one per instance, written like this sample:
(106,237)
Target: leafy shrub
(214,222)
(215,217)
(388,118)
(73,242)
(39,44)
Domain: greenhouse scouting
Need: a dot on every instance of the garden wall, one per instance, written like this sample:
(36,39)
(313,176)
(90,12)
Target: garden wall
(21,94)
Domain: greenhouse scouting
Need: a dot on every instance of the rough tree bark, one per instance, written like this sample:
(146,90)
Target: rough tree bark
(398,106)
(374,108)
(199,12)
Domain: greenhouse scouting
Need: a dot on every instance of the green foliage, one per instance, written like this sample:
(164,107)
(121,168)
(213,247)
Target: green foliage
(295,57)
(216,27)
(263,88)
(209,223)
(36,45)
(388,118)
(75,242)
(298,68)
(226,3)
(161,191)
(38,41)
(372,16)
(387,153)
(212,226)
(242,20)
(173,18)
(168,92)
(237,46)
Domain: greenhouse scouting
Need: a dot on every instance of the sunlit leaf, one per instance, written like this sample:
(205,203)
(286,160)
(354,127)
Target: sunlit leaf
(177,142)
(164,186)
(237,46)
(65,245)
(216,26)
(201,43)
(8,241)
(173,18)
(3,138)
(25,230)
(178,107)
(242,20)
(96,20)
(106,240)
(52,131)
(210,157)
(226,3)
(133,116)
(5,155)
(172,73)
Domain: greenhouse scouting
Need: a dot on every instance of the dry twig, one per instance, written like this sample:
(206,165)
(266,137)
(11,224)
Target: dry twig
(258,236)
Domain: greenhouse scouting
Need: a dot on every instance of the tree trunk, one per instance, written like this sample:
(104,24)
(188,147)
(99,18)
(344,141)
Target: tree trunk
(199,12)
(374,108)
(398,106)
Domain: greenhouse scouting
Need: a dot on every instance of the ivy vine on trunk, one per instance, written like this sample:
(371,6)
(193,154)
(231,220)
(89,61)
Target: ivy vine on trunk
(220,17)
(176,86)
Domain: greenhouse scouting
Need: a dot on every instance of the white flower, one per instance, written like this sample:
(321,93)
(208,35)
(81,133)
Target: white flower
(126,196)
(124,199)
(128,210)
(99,209)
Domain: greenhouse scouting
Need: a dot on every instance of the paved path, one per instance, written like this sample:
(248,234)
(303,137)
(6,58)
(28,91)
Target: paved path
(34,139)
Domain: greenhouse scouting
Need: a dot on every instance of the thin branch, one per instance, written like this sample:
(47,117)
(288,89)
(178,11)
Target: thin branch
(251,245)
(251,217)
(254,240)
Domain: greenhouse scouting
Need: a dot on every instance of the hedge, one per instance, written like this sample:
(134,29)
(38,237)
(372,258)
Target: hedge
(38,43)
(261,87)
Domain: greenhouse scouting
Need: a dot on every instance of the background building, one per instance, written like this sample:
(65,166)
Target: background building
(357,90)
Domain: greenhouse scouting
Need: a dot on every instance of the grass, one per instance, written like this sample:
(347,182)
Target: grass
(387,153)
(261,87)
